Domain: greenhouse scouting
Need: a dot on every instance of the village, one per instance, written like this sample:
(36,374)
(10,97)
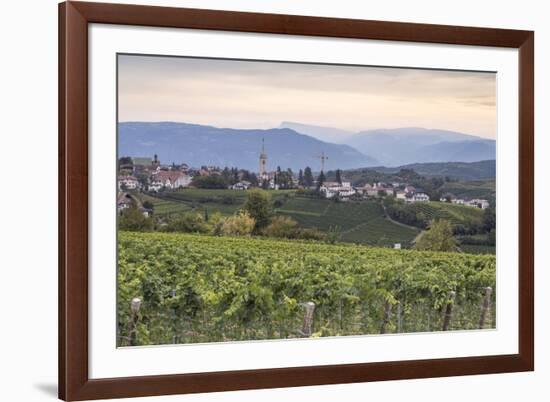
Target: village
(148,174)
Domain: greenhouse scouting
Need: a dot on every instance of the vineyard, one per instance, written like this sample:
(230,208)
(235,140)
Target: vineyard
(472,189)
(362,222)
(198,288)
(456,214)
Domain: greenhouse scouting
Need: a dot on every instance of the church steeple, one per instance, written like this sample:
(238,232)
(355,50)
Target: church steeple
(263,160)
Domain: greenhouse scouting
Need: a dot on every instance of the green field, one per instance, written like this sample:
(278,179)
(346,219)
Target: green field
(198,288)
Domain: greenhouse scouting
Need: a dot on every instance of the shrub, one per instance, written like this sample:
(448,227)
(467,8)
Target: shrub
(309,234)
(241,224)
(333,234)
(189,222)
(278,203)
(281,226)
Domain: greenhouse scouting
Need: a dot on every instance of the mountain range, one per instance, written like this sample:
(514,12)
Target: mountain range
(296,145)
(199,145)
(402,146)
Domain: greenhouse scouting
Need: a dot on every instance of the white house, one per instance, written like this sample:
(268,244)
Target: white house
(127,183)
(124,201)
(242,185)
(417,197)
(332,189)
(421,197)
(478,203)
(400,195)
(273,185)
(146,212)
(169,179)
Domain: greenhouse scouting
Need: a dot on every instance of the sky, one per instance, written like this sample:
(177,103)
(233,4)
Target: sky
(259,94)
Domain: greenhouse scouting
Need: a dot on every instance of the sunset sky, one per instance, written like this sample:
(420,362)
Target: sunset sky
(249,94)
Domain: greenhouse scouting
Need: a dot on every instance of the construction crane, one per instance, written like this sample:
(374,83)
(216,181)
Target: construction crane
(322,158)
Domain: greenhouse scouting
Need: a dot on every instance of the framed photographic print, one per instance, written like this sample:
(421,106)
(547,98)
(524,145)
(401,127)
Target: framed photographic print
(258,200)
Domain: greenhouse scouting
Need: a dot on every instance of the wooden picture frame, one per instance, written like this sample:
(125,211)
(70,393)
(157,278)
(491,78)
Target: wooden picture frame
(74,381)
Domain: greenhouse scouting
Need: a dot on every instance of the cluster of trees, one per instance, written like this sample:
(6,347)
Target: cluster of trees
(360,177)
(256,217)
(226,178)
(305,177)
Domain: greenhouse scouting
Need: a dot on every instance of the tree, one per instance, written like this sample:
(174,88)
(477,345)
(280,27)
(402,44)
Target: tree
(134,220)
(211,182)
(300,177)
(226,174)
(339,176)
(258,206)
(321,179)
(308,177)
(439,237)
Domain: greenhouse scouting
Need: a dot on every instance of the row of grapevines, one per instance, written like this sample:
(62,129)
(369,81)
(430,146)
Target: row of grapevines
(197,288)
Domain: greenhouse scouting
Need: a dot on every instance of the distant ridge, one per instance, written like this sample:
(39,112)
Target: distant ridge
(396,147)
(457,170)
(400,146)
(199,145)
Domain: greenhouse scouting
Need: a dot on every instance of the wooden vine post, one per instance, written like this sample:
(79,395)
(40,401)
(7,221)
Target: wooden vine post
(134,318)
(387,317)
(399,317)
(449,310)
(308,319)
(485,307)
